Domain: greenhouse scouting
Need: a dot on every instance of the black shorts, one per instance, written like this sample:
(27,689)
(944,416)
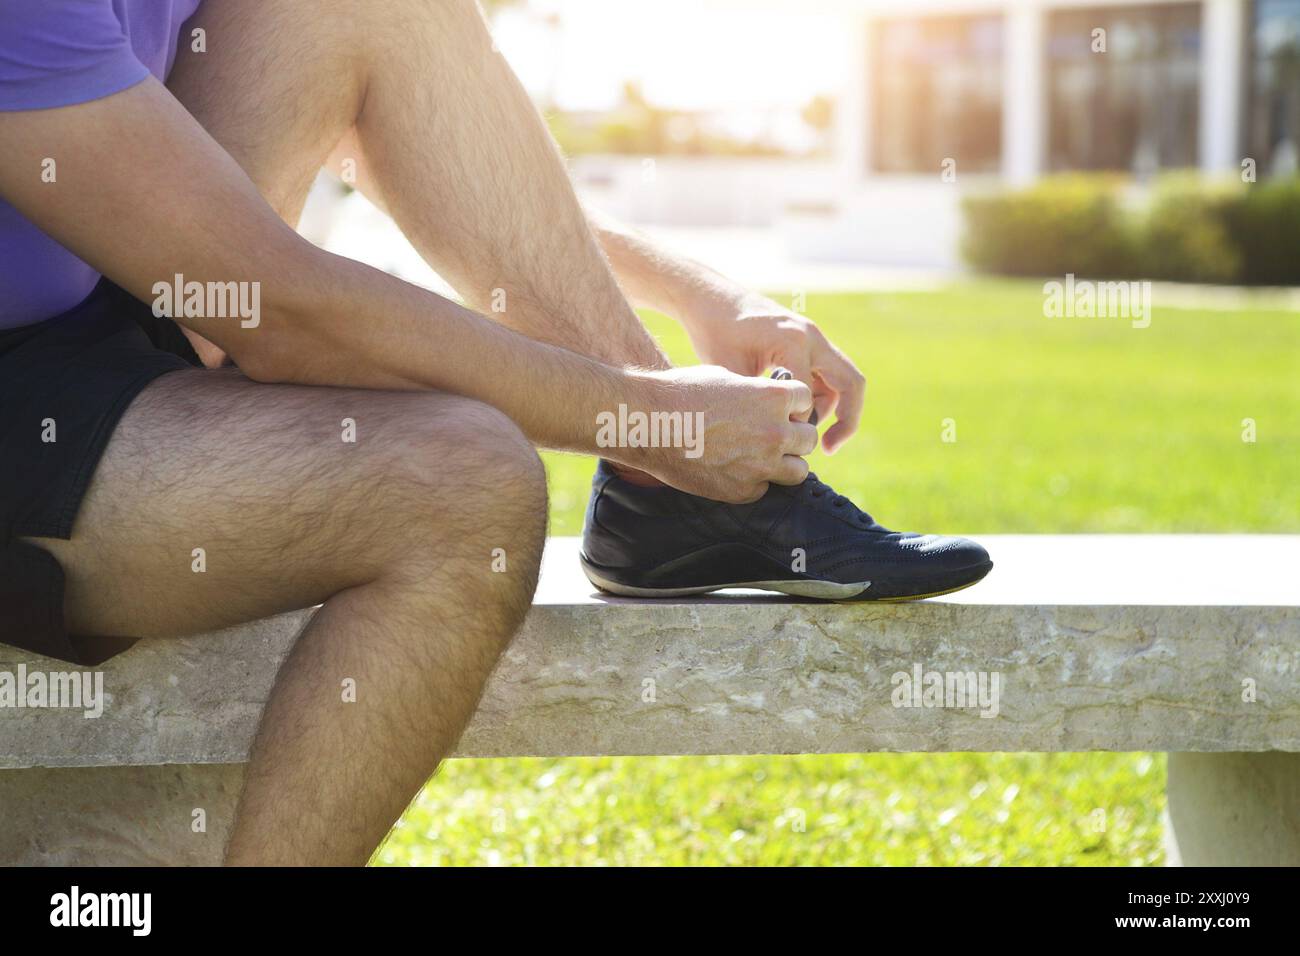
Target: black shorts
(64,385)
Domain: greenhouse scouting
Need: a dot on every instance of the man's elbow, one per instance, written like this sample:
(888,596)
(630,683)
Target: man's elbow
(282,336)
(275,351)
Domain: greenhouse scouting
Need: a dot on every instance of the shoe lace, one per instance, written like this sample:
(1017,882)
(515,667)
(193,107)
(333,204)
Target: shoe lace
(816,488)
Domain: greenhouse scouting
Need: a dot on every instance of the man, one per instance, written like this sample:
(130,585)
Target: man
(372,447)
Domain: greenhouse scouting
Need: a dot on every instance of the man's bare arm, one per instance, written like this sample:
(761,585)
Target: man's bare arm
(142,193)
(653,277)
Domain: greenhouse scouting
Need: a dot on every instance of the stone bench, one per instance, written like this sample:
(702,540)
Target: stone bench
(1185,644)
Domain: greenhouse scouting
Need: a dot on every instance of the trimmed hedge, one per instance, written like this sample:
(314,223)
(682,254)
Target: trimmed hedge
(1185,236)
(1265,225)
(1185,229)
(1061,224)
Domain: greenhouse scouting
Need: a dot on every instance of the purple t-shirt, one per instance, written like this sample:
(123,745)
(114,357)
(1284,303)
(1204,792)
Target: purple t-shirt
(56,53)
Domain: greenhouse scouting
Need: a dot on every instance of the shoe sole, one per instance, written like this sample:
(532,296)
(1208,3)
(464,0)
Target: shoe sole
(821,590)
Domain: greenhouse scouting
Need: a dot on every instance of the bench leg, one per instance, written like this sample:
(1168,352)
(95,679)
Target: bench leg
(120,816)
(1233,809)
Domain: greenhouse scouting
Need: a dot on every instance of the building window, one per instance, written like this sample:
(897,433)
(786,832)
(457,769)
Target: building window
(938,94)
(1273,117)
(1123,87)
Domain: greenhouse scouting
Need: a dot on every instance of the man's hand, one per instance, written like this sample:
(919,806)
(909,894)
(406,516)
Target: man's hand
(749,334)
(752,431)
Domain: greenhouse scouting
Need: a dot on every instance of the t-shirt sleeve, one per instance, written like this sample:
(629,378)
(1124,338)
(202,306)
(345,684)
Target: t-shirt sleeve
(60,52)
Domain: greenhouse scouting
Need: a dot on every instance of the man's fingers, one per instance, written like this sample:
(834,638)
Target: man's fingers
(796,370)
(844,377)
(799,399)
(801,368)
(792,471)
(800,439)
(825,399)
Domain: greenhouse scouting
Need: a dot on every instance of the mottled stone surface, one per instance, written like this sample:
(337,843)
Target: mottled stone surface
(750,674)
(117,816)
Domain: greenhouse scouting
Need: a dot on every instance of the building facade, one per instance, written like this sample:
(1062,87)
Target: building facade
(955,95)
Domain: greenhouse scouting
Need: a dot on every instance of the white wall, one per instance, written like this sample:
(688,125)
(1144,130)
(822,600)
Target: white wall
(684,191)
(901,222)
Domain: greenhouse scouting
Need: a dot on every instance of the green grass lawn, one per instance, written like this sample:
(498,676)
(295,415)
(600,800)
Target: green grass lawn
(1062,425)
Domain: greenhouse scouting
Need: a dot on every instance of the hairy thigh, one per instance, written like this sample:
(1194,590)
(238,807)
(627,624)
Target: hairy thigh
(220,500)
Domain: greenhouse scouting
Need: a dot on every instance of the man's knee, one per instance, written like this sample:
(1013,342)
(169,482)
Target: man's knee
(484,468)
(494,446)
(470,491)
(504,491)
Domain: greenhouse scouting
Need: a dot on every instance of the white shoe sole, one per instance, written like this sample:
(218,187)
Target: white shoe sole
(823,590)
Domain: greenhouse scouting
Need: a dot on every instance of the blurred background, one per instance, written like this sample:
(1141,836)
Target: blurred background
(850,131)
(841,143)
(909,175)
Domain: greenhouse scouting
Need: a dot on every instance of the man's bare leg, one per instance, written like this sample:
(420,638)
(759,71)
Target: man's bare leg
(394,533)
(438,125)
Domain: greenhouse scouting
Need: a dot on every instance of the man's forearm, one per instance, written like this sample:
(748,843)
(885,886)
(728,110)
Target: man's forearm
(340,322)
(653,277)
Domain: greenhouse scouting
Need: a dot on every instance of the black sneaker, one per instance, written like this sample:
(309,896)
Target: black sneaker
(804,540)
